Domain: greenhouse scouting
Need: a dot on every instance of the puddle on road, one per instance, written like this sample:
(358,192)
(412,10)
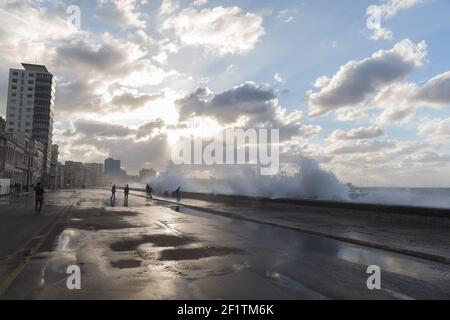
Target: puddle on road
(159,240)
(101,219)
(197,253)
(126,264)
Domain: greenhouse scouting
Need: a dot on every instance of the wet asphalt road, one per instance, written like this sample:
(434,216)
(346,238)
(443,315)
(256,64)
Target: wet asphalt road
(148,250)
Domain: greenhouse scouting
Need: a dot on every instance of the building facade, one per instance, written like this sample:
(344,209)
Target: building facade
(30,107)
(14,159)
(37,159)
(74,174)
(112,167)
(94,175)
(54,166)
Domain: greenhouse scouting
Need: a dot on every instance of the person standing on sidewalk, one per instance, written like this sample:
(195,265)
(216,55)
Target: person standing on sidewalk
(178,194)
(126,192)
(113,193)
(39,197)
(149,191)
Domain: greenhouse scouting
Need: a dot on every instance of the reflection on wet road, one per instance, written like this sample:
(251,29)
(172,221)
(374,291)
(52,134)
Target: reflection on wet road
(150,251)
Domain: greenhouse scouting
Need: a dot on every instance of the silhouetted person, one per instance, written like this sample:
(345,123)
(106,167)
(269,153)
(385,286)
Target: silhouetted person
(178,194)
(126,192)
(39,191)
(113,193)
(149,191)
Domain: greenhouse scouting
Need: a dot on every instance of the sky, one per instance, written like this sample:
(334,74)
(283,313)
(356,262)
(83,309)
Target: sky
(362,87)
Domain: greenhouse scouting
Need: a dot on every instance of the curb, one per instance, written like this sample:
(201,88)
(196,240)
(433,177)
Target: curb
(412,253)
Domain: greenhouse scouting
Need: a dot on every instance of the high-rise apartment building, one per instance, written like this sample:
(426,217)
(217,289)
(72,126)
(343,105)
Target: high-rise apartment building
(112,167)
(30,106)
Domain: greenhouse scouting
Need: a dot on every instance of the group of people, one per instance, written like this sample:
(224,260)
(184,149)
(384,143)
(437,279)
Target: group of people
(39,194)
(126,192)
(148,189)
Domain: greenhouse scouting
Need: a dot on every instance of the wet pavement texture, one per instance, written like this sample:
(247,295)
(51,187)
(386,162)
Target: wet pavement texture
(147,250)
(418,238)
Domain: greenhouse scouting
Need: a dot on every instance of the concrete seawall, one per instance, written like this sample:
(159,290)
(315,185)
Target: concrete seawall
(388,213)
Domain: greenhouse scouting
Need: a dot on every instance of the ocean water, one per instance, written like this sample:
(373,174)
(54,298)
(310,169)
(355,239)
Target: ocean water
(421,197)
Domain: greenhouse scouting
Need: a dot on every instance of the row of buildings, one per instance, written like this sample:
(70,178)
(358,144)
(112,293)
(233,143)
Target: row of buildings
(27,155)
(26,133)
(89,175)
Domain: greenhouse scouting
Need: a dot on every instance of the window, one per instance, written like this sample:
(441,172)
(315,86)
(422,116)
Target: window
(28,109)
(15,73)
(31,75)
(12,115)
(13,94)
(30,89)
(29,96)
(30,82)
(14,80)
(14,87)
(11,123)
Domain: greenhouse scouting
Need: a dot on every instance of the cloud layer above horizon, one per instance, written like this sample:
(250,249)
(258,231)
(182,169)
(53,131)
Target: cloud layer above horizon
(371,105)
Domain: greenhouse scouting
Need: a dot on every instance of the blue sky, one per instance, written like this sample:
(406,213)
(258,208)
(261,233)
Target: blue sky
(376,108)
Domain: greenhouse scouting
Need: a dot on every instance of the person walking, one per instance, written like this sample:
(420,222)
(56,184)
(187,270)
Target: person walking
(113,193)
(149,191)
(178,194)
(126,192)
(39,198)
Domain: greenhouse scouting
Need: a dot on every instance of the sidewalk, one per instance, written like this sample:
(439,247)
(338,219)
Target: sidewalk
(413,239)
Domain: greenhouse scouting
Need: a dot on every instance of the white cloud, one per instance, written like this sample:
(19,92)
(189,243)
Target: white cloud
(249,104)
(358,80)
(125,13)
(361,147)
(358,134)
(220,30)
(382,34)
(387,10)
(350,114)
(399,101)
(199,3)
(286,15)
(436,129)
(169,7)
(390,8)
(278,78)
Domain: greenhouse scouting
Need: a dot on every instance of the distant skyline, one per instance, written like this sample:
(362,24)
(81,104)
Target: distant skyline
(372,105)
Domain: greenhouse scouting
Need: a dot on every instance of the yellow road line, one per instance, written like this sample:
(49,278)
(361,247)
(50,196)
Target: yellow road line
(25,243)
(4,286)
